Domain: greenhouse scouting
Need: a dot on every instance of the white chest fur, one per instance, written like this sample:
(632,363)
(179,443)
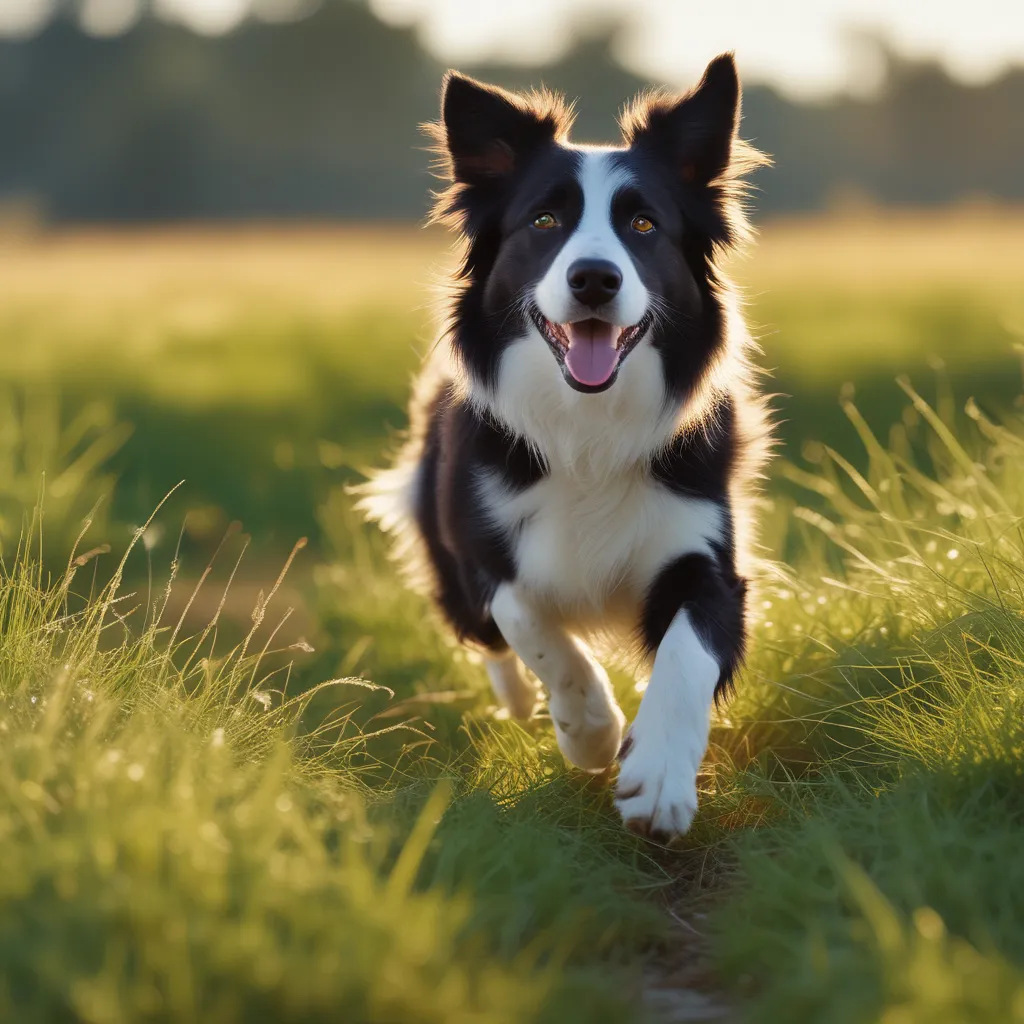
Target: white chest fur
(590,537)
(590,547)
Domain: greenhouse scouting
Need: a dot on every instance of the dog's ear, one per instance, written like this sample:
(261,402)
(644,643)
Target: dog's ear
(696,132)
(487,133)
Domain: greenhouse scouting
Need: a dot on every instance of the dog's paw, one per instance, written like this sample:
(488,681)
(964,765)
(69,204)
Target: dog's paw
(511,686)
(656,792)
(591,743)
(588,721)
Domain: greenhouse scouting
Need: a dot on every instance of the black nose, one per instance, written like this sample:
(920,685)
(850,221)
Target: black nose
(594,282)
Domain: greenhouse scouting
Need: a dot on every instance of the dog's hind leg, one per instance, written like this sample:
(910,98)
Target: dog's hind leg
(588,722)
(512,688)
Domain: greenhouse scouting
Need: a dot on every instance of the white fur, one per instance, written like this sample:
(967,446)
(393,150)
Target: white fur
(392,496)
(516,692)
(595,238)
(657,787)
(591,536)
(588,722)
(589,546)
(586,434)
(589,434)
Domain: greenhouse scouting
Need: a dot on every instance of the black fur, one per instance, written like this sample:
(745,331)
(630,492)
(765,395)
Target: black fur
(506,159)
(715,597)
(504,155)
(699,463)
(468,556)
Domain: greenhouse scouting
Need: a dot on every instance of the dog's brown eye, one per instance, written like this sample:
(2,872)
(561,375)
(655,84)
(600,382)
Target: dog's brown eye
(545,221)
(642,224)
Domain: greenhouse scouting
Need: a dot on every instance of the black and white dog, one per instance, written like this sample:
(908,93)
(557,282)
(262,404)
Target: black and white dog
(581,454)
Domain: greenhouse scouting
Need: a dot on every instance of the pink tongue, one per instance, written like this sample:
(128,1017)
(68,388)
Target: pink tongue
(592,356)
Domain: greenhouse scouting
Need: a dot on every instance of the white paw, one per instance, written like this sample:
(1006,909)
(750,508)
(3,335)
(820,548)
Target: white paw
(511,687)
(592,743)
(656,792)
(588,721)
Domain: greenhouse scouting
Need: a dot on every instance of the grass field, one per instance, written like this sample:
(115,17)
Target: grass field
(233,793)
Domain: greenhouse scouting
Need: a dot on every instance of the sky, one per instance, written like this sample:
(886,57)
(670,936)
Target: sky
(806,48)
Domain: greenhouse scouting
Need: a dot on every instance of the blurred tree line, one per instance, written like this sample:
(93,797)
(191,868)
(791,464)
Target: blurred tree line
(318,118)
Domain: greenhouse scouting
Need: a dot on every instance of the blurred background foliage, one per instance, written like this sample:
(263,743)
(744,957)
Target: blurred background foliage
(317,117)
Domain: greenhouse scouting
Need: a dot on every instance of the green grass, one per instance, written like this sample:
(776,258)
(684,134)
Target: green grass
(183,841)
(883,883)
(313,811)
(267,368)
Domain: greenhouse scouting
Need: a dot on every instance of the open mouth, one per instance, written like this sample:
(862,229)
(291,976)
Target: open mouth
(591,351)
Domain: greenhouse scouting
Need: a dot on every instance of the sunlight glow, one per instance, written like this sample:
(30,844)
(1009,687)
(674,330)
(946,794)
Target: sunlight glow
(805,49)
(23,17)
(208,17)
(108,17)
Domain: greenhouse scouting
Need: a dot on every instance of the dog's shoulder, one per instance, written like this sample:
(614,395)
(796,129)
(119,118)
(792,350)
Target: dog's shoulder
(700,459)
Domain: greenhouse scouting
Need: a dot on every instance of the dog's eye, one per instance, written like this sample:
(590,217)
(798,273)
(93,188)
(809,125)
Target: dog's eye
(642,224)
(544,221)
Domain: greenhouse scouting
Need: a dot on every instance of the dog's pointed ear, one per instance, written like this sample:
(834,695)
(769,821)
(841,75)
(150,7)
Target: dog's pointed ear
(696,132)
(486,132)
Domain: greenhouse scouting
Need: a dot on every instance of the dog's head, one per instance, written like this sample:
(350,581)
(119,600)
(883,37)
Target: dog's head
(592,253)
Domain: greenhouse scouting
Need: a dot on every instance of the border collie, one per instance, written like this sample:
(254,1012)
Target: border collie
(582,452)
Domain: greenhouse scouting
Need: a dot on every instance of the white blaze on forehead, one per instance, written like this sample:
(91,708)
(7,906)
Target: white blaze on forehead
(600,177)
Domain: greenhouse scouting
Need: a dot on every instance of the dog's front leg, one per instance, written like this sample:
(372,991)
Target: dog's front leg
(588,722)
(698,612)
